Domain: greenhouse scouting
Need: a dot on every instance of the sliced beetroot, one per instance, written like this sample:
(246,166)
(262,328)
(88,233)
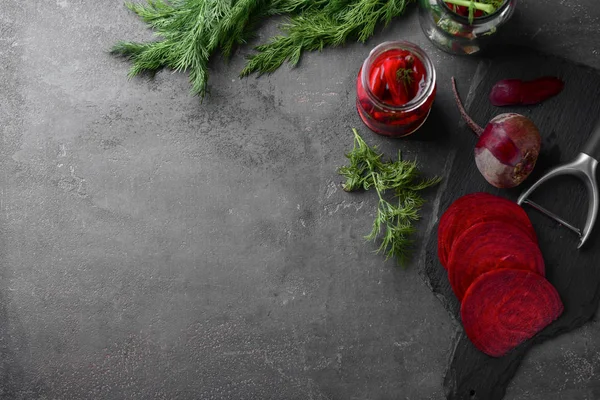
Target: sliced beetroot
(474,208)
(487,246)
(508,92)
(505,307)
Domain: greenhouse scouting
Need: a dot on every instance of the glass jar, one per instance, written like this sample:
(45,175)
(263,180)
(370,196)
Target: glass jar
(400,108)
(454,34)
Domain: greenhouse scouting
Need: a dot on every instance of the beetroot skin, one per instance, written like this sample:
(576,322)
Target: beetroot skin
(508,92)
(487,246)
(507,150)
(474,208)
(505,307)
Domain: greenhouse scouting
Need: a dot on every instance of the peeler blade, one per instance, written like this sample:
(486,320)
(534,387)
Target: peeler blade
(553,216)
(584,168)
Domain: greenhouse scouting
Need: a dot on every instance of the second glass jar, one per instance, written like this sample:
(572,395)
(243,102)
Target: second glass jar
(454,33)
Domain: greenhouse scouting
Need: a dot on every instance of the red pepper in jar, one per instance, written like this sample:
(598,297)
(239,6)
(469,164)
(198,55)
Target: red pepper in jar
(377,82)
(399,88)
(395,80)
(398,93)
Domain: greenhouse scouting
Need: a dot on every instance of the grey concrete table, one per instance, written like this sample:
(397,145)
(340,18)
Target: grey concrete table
(155,248)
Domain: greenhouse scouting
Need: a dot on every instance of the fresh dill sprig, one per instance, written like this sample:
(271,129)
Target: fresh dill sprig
(393,224)
(190,32)
(330,25)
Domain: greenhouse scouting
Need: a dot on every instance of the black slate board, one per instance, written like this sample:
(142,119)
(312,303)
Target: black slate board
(565,122)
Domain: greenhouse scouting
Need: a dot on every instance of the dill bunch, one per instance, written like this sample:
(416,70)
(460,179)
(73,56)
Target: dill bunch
(190,32)
(328,25)
(393,224)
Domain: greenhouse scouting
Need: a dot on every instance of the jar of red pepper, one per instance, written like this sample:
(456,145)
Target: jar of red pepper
(395,88)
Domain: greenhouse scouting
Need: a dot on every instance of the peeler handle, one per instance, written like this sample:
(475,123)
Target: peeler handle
(592,146)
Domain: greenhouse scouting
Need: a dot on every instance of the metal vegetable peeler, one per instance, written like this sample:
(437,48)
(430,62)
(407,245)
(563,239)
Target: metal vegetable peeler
(583,167)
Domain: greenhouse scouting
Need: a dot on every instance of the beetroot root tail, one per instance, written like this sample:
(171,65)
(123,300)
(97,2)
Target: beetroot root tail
(463,113)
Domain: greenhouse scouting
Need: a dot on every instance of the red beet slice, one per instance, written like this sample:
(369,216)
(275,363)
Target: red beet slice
(509,92)
(473,208)
(487,246)
(505,307)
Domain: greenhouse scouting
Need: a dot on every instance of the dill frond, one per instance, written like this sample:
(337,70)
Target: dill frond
(393,225)
(317,28)
(190,32)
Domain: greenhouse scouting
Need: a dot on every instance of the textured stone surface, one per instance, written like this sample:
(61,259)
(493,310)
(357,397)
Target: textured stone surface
(153,247)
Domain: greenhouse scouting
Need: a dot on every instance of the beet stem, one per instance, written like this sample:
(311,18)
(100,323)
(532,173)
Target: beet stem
(463,113)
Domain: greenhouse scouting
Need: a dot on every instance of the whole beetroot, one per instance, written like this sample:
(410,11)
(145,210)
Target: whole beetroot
(507,149)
